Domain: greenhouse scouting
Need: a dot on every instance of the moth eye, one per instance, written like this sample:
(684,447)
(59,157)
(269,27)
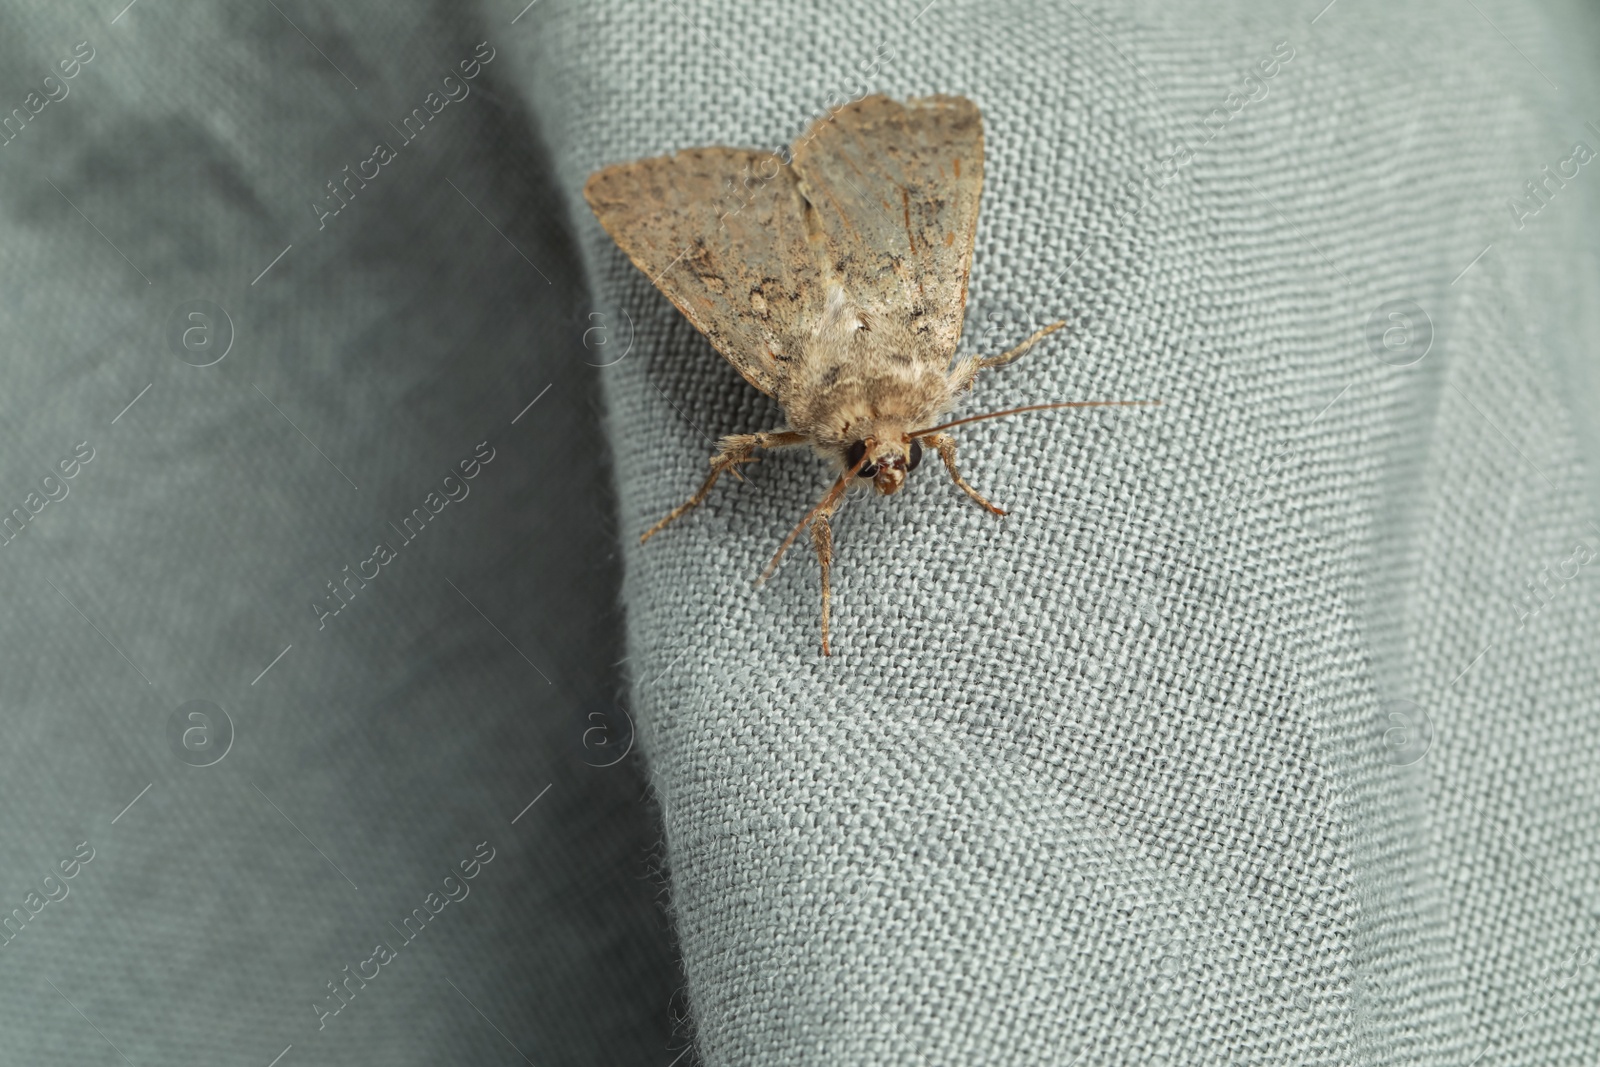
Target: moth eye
(916,455)
(853,456)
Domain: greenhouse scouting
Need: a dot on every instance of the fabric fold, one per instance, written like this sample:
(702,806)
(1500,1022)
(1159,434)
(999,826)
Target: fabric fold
(1206,752)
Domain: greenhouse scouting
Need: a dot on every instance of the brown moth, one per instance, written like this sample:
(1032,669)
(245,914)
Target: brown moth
(836,284)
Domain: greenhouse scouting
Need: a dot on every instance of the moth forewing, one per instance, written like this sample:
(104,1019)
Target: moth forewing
(836,284)
(896,189)
(747,279)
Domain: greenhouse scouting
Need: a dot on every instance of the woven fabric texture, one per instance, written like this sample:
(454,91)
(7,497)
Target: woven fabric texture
(374,749)
(1263,730)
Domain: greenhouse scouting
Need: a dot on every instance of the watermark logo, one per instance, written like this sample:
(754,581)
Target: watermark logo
(607,336)
(15,519)
(55,89)
(1539,595)
(604,743)
(455,489)
(199,332)
(1409,734)
(56,889)
(343,188)
(1540,191)
(346,983)
(1399,332)
(200,733)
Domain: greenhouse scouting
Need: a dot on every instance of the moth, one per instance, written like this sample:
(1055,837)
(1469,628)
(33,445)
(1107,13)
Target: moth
(834,281)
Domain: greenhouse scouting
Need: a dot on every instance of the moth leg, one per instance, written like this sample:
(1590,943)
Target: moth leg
(732,450)
(822,541)
(965,372)
(1021,349)
(947,452)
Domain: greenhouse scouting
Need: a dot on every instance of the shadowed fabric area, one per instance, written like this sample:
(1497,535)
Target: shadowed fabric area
(470,672)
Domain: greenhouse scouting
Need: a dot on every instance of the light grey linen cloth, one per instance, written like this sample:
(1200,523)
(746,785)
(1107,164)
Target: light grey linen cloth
(373,751)
(1264,729)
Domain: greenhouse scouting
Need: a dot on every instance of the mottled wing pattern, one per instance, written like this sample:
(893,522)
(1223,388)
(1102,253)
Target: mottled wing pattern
(896,188)
(722,232)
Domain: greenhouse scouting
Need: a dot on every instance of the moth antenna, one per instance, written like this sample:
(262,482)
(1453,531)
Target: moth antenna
(827,498)
(1036,407)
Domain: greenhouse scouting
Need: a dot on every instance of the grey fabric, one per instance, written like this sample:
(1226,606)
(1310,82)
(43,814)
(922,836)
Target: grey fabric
(187,553)
(1229,745)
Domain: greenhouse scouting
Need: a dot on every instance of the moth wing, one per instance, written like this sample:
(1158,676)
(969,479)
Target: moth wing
(896,189)
(726,243)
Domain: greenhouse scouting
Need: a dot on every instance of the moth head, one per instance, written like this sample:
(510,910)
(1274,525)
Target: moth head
(887,462)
